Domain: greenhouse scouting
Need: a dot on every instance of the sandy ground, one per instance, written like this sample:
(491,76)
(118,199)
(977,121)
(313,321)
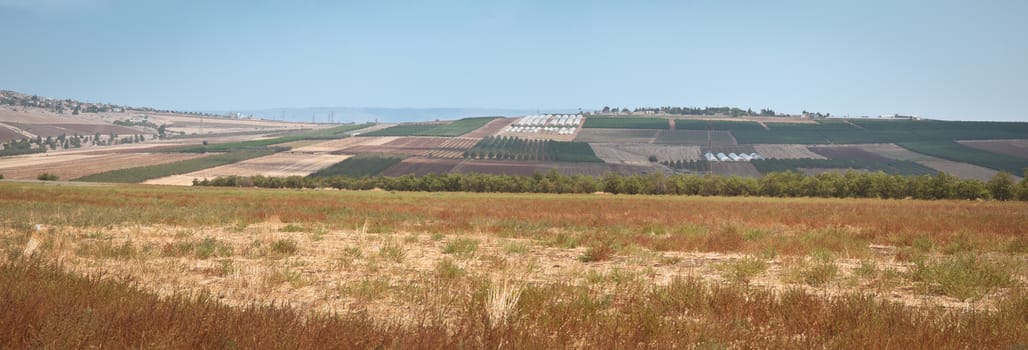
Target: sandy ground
(278,164)
(786,152)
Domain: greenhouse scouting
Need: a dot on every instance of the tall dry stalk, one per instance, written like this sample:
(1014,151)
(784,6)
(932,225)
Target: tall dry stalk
(502,300)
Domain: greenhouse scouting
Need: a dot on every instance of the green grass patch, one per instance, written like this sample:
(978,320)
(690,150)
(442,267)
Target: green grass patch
(143,173)
(964,276)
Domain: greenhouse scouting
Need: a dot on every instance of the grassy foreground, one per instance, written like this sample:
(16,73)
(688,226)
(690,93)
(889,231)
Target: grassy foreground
(157,267)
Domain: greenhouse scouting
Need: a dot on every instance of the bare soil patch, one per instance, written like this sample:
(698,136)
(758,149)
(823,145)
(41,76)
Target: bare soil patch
(434,147)
(786,152)
(491,128)
(344,145)
(639,154)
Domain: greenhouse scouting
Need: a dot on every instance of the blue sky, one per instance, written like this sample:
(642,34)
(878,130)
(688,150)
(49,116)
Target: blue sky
(943,59)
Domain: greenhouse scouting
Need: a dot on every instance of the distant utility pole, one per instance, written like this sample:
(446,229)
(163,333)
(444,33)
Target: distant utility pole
(708,148)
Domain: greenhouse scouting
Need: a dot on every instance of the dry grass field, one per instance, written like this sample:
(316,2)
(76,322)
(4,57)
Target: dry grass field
(402,270)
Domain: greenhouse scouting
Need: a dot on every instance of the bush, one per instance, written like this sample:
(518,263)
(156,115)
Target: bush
(47,177)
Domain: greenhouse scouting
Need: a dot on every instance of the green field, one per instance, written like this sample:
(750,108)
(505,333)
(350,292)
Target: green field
(626,123)
(140,174)
(452,129)
(877,131)
(959,153)
(361,165)
(691,124)
(514,148)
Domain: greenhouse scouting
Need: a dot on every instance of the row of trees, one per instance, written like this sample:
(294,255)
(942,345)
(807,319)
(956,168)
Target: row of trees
(729,111)
(782,184)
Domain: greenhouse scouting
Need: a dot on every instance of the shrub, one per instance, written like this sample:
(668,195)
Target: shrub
(47,177)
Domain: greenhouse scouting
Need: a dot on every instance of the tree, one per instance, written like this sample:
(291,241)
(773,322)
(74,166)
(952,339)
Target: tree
(1001,186)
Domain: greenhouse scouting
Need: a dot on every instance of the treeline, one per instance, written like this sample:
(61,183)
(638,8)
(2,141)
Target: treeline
(781,184)
(39,144)
(728,111)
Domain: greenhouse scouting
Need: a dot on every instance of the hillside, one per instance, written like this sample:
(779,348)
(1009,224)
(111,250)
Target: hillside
(591,144)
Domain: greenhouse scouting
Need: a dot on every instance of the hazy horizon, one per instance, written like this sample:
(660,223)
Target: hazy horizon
(949,59)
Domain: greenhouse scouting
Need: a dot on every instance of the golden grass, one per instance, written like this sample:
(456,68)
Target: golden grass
(419,270)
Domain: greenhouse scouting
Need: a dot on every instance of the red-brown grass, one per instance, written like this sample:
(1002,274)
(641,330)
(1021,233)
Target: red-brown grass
(45,307)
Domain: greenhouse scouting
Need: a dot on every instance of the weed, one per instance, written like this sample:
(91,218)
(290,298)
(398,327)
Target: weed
(461,247)
(516,247)
(742,270)
(292,228)
(392,252)
(107,250)
(212,247)
(598,252)
(284,247)
(446,269)
(367,289)
(965,276)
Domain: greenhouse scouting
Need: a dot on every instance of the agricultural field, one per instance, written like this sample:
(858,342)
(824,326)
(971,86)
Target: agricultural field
(361,165)
(278,164)
(312,269)
(695,138)
(492,128)
(442,129)
(959,153)
(149,172)
(744,169)
(842,159)
(419,166)
(625,123)
(515,148)
(616,135)
(74,166)
(344,146)
(958,169)
(641,153)
(1014,148)
(434,147)
(786,152)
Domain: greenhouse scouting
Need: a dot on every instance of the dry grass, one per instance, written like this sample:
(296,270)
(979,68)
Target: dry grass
(512,271)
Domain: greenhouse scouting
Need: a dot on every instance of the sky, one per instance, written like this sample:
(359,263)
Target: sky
(944,59)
